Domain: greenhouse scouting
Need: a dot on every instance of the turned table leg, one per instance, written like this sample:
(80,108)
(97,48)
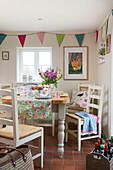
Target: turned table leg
(61,127)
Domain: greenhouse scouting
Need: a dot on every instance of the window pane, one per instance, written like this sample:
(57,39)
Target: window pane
(28,70)
(28,58)
(44,58)
(44,68)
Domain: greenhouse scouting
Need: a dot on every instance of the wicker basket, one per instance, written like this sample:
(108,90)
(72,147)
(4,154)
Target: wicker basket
(19,158)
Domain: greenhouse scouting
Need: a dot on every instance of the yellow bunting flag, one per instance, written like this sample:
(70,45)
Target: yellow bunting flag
(60,38)
(106,27)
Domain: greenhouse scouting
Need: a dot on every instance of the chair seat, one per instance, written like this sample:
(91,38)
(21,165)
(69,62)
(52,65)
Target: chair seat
(74,116)
(24,131)
(76,108)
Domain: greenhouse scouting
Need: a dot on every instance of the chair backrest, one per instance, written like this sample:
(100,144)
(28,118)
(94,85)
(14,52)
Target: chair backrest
(6,85)
(11,108)
(95,100)
(83,87)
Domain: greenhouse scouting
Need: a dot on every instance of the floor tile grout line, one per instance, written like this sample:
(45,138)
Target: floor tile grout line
(73,156)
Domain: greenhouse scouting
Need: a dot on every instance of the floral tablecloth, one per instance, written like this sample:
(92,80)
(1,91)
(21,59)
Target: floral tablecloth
(34,108)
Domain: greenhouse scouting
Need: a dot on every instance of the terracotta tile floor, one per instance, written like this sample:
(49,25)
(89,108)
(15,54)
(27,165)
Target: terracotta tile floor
(72,160)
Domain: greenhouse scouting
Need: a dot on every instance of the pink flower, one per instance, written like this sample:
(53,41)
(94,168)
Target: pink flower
(23,110)
(43,113)
(40,113)
(29,101)
(36,115)
(42,107)
(32,105)
(27,113)
(19,116)
(45,107)
(39,104)
(26,102)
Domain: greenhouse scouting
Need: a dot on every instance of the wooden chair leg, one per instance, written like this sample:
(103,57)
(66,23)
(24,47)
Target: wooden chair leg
(53,124)
(42,147)
(66,131)
(79,134)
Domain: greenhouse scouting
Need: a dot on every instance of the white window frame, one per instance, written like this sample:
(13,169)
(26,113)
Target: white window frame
(36,51)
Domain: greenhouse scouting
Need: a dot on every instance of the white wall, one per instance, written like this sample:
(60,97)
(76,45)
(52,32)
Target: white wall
(104,77)
(8,67)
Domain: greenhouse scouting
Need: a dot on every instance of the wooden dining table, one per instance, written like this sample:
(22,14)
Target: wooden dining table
(59,106)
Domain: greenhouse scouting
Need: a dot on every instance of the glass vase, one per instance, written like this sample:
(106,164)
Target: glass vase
(52,91)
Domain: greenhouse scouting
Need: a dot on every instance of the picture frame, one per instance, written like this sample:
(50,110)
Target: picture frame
(5,55)
(108,43)
(75,63)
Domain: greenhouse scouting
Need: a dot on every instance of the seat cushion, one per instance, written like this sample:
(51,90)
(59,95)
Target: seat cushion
(24,131)
(79,99)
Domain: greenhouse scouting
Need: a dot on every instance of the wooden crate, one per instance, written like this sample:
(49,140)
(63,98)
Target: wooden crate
(97,161)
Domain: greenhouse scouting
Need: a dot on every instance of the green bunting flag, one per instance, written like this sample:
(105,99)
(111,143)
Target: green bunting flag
(112,12)
(60,38)
(79,38)
(2,37)
(106,27)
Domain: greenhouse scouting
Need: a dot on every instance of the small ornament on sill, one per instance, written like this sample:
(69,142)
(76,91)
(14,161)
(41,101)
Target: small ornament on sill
(24,78)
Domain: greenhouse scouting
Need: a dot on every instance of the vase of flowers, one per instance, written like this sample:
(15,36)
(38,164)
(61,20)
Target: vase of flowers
(51,77)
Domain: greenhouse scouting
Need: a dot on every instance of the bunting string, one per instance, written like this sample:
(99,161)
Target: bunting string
(59,36)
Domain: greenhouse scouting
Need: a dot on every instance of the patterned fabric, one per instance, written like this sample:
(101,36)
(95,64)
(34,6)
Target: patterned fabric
(79,99)
(34,108)
(90,123)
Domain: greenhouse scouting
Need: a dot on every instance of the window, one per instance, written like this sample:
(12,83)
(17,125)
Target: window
(29,60)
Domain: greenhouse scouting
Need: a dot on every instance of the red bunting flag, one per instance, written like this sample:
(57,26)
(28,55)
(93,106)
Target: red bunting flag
(101,30)
(96,36)
(22,39)
(41,36)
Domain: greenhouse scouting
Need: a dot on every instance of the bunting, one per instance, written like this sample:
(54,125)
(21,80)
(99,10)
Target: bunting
(2,37)
(22,39)
(101,30)
(96,36)
(41,36)
(79,38)
(106,27)
(60,38)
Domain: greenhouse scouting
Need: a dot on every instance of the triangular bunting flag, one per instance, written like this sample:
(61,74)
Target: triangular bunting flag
(101,33)
(96,36)
(41,36)
(112,12)
(106,27)
(79,38)
(60,38)
(22,39)
(2,37)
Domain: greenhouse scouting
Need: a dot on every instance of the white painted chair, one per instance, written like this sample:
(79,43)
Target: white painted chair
(5,86)
(16,134)
(98,105)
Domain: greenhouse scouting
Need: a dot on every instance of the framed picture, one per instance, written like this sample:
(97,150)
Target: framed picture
(108,43)
(75,63)
(5,55)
